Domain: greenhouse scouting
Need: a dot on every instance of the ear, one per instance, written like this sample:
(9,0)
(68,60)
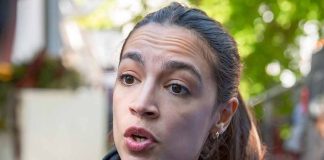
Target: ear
(226,112)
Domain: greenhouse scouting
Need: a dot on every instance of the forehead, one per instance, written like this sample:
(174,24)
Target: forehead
(169,34)
(172,39)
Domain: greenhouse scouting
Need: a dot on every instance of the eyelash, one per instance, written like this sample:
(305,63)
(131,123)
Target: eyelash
(184,91)
(123,80)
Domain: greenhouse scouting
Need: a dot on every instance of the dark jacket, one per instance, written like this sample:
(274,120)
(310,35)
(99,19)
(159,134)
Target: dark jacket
(112,155)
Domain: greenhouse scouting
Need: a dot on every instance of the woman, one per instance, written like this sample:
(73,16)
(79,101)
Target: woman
(177,96)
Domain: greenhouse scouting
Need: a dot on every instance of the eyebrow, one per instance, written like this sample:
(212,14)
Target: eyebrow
(177,65)
(135,56)
(169,65)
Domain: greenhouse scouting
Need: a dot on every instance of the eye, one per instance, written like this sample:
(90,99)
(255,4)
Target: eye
(127,79)
(178,89)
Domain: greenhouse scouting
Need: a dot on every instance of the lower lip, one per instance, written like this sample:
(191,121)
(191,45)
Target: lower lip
(135,146)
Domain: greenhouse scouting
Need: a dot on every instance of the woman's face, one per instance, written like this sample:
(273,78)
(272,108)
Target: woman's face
(164,95)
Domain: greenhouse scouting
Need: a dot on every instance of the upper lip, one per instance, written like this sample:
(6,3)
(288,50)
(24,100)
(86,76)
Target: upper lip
(131,131)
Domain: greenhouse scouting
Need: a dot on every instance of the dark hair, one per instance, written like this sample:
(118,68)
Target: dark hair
(241,139)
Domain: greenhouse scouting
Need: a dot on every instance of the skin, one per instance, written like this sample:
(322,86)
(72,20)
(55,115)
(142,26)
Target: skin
(165,86)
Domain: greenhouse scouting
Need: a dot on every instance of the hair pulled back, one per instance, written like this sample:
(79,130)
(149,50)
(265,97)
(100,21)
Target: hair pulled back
(241,139)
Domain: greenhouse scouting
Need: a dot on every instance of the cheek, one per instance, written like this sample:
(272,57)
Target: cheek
(119,109)
(116,110)
(120,116)
(117,101)
(192,121)
(187,127)
(121,98)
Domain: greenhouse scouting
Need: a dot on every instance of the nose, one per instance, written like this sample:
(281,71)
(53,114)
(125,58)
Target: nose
(145,105)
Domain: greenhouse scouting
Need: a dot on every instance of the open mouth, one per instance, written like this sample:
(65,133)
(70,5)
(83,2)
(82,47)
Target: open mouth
(139,139)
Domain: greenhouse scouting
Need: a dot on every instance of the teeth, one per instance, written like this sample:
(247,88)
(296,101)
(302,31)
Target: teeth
(139,138)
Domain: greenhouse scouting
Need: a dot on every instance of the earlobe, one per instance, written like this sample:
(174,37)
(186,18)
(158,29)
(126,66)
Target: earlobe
(227,111)
(220,127)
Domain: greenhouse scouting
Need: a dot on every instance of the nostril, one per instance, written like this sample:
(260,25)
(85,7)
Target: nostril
(133,111)
(150,113)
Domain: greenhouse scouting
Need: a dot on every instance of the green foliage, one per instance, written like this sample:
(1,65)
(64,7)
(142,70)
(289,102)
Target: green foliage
(266,31)
(285,131)
(54,75)
(50,74)
(97,19)
(262,42)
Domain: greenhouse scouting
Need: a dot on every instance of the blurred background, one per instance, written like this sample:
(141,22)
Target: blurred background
(58,61)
